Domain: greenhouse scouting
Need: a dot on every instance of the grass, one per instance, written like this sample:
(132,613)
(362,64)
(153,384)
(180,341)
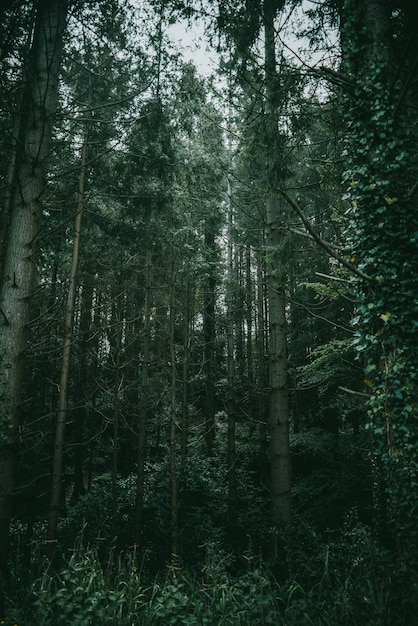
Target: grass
(87,591)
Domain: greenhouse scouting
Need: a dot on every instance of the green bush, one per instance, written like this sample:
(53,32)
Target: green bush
(83,593)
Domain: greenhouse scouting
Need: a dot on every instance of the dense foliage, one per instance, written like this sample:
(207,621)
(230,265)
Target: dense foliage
(205,281)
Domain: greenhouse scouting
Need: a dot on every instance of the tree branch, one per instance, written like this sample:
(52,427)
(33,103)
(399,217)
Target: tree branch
(413,190)
(302,233)
(334,77)
(353,392)
(324,244)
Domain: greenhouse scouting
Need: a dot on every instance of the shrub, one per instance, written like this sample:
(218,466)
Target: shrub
(83,593)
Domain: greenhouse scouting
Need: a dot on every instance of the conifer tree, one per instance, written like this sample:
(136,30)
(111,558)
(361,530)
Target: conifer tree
(18,277)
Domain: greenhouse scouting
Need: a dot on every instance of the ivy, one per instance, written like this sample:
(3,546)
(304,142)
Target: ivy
(381,167)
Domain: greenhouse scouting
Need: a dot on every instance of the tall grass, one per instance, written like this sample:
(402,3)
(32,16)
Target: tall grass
(87,592)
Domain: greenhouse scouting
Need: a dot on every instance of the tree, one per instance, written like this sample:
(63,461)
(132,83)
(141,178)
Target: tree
(242,25)
(174,501)
(279,409)
(143,408)
(58,463)
(209,330)
(379,60)
(18,279)
(231,453)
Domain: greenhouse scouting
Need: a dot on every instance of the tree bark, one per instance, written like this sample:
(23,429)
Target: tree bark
(21,247)
(116,350)
(232,454)
(83,385)
(209,334)
(278,395)
(261,371)
(174,505)
(249,316)
(18,135)
(143,409)
(185,381)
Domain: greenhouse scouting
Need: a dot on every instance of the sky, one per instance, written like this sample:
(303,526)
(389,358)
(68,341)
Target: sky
(191,40)
(192,43)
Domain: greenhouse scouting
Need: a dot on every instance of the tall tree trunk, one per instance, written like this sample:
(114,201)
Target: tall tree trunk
(209,334)
(239,321)
(249,317)
(58,462)
(21,247)
(83,387)
(261,370)
(116,348)
(95,350)
(184,402)
(185,381)
(143,408)
(231,454)
(174,506)
(278,402)
(17,148)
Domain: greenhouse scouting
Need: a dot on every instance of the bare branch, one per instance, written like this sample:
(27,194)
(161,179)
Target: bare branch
(353,392)
(324,244)
(336,278)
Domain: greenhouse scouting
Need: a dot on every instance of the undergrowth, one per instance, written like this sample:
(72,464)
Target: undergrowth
(341,583)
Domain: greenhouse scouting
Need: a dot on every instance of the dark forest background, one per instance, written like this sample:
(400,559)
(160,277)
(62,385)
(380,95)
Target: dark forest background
(208,313)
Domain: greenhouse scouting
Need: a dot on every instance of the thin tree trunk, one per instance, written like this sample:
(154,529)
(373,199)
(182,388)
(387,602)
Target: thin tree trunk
(239,319)
(184,402)
(249,317)
(94,347)
(261,371)
(143,409)
(231,454)
(118,379)
(58,462)
(174,526)
(185,390)
(95,343)
(278,402)
(21,247)
(83,387)
(209,335)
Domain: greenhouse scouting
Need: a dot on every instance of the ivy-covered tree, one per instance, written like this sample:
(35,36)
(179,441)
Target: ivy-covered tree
(379,61)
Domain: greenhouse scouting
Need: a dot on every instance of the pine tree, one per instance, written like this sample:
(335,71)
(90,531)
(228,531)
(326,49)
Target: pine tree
(18,280)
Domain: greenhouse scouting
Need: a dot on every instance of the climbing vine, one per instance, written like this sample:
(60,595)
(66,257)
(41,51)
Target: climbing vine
(381,172)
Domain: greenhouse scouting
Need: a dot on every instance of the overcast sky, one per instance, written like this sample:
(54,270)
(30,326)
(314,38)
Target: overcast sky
(191,41)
